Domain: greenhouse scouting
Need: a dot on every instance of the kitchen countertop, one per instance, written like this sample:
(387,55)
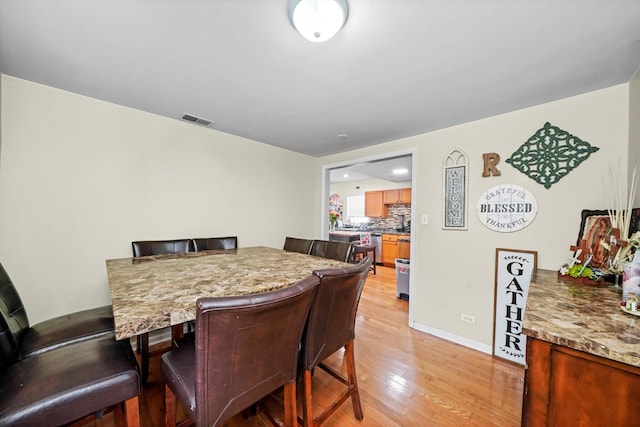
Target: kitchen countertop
(384,231)
(346,232)
(582,317)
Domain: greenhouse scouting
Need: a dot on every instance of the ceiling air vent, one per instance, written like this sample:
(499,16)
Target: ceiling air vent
(197,120)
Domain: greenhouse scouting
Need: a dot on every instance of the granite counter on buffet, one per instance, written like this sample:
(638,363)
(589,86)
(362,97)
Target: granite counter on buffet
(583,355)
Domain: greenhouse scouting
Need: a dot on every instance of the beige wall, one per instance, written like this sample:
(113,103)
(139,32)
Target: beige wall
(80,179)
(454,270)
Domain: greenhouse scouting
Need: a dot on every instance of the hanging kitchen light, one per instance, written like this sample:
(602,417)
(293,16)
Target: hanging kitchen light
(318,20)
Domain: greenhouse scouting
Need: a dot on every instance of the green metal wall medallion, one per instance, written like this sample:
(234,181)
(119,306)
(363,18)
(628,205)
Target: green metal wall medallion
(550,154)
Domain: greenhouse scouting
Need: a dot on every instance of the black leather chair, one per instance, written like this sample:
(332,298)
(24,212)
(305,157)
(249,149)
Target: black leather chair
(340,251)
(68,383)
(157,247)
(330,327)
(294,244)
(207,244)
(161,247)
(245,348)
(49,334)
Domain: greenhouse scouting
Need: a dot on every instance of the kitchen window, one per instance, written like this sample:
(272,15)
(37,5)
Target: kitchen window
(355,211)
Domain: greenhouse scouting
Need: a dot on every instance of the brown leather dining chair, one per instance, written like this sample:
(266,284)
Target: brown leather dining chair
(78,381)
(161,247)
(294,244)
(157,247)
(245,348)
(210,243)
(340,251)
(330,327)
(52,333)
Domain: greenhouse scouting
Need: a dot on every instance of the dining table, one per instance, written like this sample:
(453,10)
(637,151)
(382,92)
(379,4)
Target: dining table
(150,293)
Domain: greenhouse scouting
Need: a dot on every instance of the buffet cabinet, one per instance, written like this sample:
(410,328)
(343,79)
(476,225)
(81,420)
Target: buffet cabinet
(567,387)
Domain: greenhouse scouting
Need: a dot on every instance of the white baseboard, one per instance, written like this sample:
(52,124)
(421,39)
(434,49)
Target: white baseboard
(454,338)
(164,335)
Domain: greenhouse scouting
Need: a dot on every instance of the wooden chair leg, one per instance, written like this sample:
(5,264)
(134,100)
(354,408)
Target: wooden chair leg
(353,380)
(351,390)
(132,412)
(307,409)
(169,407)
(290,410)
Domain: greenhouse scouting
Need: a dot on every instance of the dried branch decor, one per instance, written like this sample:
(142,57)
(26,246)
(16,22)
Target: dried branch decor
(620,216)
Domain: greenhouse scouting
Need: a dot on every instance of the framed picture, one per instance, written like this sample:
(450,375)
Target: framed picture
(595,226)
(514,270)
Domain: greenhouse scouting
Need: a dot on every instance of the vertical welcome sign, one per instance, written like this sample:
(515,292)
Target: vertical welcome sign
(455,191)
(514,270)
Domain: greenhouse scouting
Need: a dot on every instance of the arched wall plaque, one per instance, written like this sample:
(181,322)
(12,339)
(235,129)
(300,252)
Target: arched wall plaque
(455,191)
(507,208)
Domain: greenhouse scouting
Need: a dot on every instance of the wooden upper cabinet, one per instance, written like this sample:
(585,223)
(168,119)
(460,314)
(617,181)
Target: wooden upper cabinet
(405,195)
(399,195)
(374,206)
(391,196)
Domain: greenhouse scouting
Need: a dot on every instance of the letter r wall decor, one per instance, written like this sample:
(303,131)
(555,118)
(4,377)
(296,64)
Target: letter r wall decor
(455,191)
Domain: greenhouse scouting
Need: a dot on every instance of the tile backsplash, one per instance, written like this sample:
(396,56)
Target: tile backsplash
(392,220)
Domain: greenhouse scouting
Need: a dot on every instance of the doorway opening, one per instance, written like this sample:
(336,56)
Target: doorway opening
(343,193)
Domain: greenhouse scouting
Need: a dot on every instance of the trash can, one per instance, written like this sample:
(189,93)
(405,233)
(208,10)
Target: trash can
(402,278)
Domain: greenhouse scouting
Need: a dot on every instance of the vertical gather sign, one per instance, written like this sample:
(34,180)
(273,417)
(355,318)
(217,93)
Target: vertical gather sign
(514,270)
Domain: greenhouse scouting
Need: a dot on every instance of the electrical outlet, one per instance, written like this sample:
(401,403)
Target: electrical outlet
(425,219)
(468,318)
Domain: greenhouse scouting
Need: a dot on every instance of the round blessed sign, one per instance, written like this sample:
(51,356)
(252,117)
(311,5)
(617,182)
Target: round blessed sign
(507,208)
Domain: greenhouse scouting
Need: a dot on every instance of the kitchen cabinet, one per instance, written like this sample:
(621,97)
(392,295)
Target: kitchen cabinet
(582,361)
(398,195)
(389,249)
(564,387)
(404,247)
(390,196)
(405,195)
(374,206)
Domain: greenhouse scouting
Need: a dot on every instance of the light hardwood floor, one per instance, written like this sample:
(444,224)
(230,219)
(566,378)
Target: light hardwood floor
(406,377)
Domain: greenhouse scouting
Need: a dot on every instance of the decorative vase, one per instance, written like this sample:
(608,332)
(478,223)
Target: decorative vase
(332,226)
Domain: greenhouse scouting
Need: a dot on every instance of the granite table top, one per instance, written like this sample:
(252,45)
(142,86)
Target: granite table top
(583,317)
(155,292)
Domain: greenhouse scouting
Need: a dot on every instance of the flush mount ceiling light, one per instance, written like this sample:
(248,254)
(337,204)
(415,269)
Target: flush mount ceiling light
(400,171)
(318,20)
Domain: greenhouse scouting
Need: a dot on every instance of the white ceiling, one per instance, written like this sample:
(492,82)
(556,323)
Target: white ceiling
(379,169)
(398,67)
